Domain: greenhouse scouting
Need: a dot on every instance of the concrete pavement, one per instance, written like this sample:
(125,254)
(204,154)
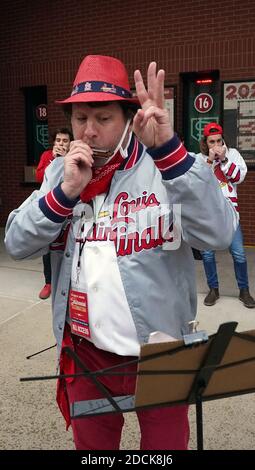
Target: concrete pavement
(29,415)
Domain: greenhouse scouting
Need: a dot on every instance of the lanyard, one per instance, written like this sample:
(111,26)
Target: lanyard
(81,240)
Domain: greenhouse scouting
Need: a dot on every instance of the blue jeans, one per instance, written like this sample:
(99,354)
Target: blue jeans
(239,258)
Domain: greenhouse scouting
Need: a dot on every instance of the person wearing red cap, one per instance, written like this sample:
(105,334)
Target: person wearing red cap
(230,169)
(61,142)
(120,213)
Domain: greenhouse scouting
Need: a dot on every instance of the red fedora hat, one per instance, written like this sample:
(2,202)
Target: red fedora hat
(100,78)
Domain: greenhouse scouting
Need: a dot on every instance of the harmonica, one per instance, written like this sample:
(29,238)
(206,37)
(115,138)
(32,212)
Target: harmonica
(101,153)
(100,157)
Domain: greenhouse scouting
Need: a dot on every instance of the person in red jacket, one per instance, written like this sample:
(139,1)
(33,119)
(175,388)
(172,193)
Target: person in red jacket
(61,143)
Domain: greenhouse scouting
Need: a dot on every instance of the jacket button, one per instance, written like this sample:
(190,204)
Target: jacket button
(63,292)
(67,254)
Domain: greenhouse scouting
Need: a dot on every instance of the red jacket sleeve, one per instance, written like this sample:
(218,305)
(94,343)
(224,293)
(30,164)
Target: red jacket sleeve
(45,160)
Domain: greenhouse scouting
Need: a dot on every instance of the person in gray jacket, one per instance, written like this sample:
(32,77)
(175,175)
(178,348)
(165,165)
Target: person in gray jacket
(120,213)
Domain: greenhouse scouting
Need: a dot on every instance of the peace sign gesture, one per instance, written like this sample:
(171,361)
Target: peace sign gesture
(151,124)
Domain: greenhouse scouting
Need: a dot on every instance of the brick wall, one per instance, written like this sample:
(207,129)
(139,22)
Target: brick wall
(246,194)
(44,42)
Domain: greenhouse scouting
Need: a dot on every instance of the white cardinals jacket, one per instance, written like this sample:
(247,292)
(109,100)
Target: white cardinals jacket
(160,203)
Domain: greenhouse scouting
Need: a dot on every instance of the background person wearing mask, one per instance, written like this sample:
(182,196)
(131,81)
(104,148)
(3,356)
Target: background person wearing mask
(230,169)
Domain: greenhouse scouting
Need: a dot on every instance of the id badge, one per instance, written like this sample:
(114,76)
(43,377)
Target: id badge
(78,312)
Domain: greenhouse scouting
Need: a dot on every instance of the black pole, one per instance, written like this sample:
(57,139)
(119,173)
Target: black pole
(39,352)
(199,419)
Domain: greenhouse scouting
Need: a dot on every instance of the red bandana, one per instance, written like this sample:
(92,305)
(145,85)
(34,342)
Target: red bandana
(101,179)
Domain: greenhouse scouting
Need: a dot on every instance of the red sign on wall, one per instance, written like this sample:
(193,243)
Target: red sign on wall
(41,112)
(203,102)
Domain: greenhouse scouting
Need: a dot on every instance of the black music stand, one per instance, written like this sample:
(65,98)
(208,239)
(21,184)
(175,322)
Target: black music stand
(187,371)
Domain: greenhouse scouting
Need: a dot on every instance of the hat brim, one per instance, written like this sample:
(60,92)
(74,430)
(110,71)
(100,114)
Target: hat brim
(97,96)
(208,134)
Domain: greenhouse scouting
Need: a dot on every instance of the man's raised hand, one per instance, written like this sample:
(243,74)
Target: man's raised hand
(151,123)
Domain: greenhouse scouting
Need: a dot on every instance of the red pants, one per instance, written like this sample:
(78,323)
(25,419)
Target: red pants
(165,428)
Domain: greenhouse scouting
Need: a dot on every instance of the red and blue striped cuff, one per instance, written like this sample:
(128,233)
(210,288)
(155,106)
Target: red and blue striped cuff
(56,206)
(172,159)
